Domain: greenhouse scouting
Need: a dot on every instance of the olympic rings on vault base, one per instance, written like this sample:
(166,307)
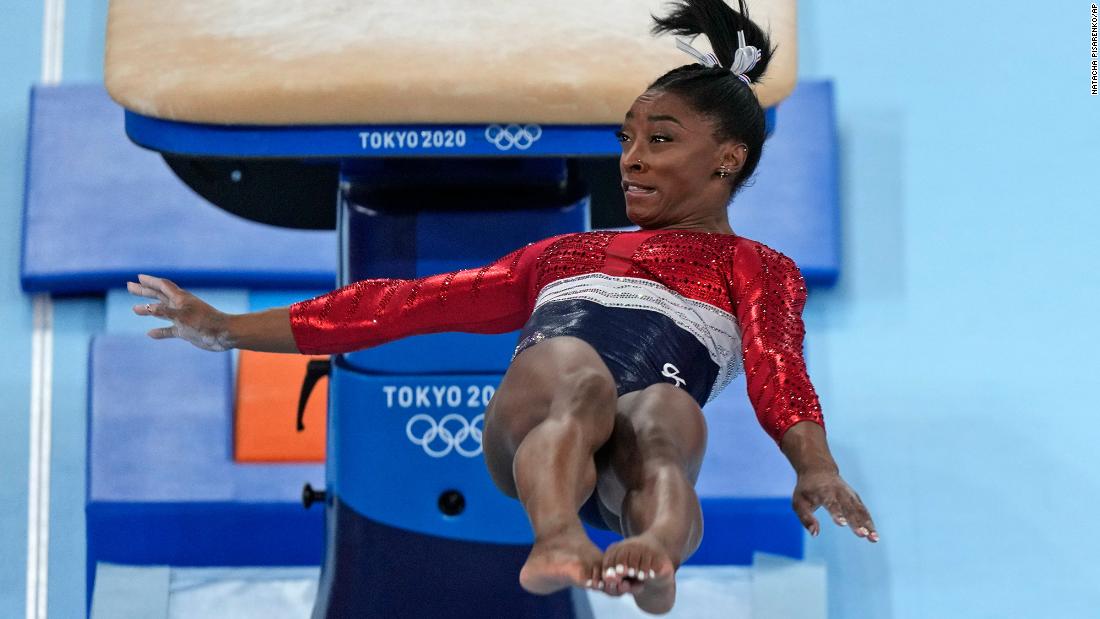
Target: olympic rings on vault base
(520,137)
(452,440)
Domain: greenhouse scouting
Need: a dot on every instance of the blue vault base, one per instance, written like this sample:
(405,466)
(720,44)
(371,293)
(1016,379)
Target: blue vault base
(374,570)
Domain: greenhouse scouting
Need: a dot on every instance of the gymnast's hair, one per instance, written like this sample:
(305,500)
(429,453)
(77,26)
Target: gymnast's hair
(715,91)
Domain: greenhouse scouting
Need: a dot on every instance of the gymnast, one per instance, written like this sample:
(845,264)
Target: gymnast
(625,335)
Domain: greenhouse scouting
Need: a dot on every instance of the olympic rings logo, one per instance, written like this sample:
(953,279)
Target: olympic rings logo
(463,432)
(520,137)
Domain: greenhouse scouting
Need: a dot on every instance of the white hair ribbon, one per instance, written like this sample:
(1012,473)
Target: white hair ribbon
(746,56)
(707,60)
(744,59)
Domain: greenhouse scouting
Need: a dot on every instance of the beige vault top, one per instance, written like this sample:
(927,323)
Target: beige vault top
(403,61)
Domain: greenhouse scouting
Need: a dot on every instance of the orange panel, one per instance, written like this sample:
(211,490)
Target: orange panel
(268,386)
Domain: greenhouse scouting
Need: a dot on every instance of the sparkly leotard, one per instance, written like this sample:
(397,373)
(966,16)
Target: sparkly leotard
(693,309)
(691,300)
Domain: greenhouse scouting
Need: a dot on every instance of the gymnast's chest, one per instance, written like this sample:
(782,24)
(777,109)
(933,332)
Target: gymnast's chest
(683,266)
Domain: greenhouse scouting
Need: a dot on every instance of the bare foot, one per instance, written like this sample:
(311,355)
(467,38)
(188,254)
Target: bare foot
(640,565)
(561,560)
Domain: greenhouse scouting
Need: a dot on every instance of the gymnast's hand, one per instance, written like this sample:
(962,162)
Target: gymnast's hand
(825,488)
(819,483)
(192,319)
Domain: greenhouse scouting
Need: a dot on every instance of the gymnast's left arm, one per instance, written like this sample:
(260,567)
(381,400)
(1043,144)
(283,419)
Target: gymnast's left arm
(772,295)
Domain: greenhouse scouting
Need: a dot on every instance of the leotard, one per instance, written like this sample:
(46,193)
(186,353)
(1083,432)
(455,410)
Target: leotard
(693,309)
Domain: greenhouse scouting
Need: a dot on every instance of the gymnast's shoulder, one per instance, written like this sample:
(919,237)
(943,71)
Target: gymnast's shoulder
(752,256)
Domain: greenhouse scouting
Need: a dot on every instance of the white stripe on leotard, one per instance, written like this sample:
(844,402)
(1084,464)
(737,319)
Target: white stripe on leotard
(715,328)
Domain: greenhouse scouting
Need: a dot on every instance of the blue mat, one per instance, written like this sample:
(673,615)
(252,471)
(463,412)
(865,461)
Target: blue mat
(162,485)
(99,210)
(792,202)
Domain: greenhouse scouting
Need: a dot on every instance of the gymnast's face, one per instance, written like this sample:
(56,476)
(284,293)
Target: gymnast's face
(670,165)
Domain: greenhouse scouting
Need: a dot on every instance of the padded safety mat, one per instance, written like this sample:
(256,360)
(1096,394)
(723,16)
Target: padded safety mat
(162,484)
(99,210)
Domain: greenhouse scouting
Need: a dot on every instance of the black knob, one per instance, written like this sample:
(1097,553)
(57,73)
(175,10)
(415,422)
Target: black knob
(310,496)
(452,502)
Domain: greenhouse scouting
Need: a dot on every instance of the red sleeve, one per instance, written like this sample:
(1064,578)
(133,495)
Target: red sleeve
(769,311)
(496,298)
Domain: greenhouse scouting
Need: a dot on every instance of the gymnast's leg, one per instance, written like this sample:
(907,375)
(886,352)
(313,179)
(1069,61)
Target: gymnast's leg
(654,454)
(555,407)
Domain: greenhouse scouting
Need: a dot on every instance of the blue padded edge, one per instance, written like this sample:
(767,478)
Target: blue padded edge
(735,529)
(98,210)
(161,484)
(792,202)
(259,300)
(356,141)
(741,460)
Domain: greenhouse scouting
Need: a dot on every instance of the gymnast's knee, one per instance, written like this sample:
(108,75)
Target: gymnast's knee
(669,426)
(587,395)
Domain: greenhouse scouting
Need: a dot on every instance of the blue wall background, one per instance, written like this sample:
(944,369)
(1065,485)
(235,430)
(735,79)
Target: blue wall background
(953,360)
(956,359)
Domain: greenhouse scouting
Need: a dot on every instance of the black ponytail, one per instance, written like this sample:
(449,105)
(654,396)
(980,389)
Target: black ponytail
(715,91)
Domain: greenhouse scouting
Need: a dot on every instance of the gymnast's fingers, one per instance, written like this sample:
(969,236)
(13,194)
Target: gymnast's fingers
(862,525)
(596,580)
(836,509)
(166,288)
(144,291)
(158,310)
(804,509)
(162,333)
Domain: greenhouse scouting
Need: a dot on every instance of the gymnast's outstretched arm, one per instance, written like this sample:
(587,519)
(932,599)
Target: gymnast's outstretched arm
(495,298)
(769,310)
(198,322)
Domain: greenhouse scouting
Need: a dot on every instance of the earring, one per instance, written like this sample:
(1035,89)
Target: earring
(723,172)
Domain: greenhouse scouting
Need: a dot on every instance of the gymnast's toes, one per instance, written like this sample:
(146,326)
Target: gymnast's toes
(560,561)
(641,566)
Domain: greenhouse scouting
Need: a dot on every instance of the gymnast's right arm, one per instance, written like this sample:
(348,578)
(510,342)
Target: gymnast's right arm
(495,298)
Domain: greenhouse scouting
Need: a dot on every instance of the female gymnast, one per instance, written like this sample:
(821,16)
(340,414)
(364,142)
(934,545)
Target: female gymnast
(625,335)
